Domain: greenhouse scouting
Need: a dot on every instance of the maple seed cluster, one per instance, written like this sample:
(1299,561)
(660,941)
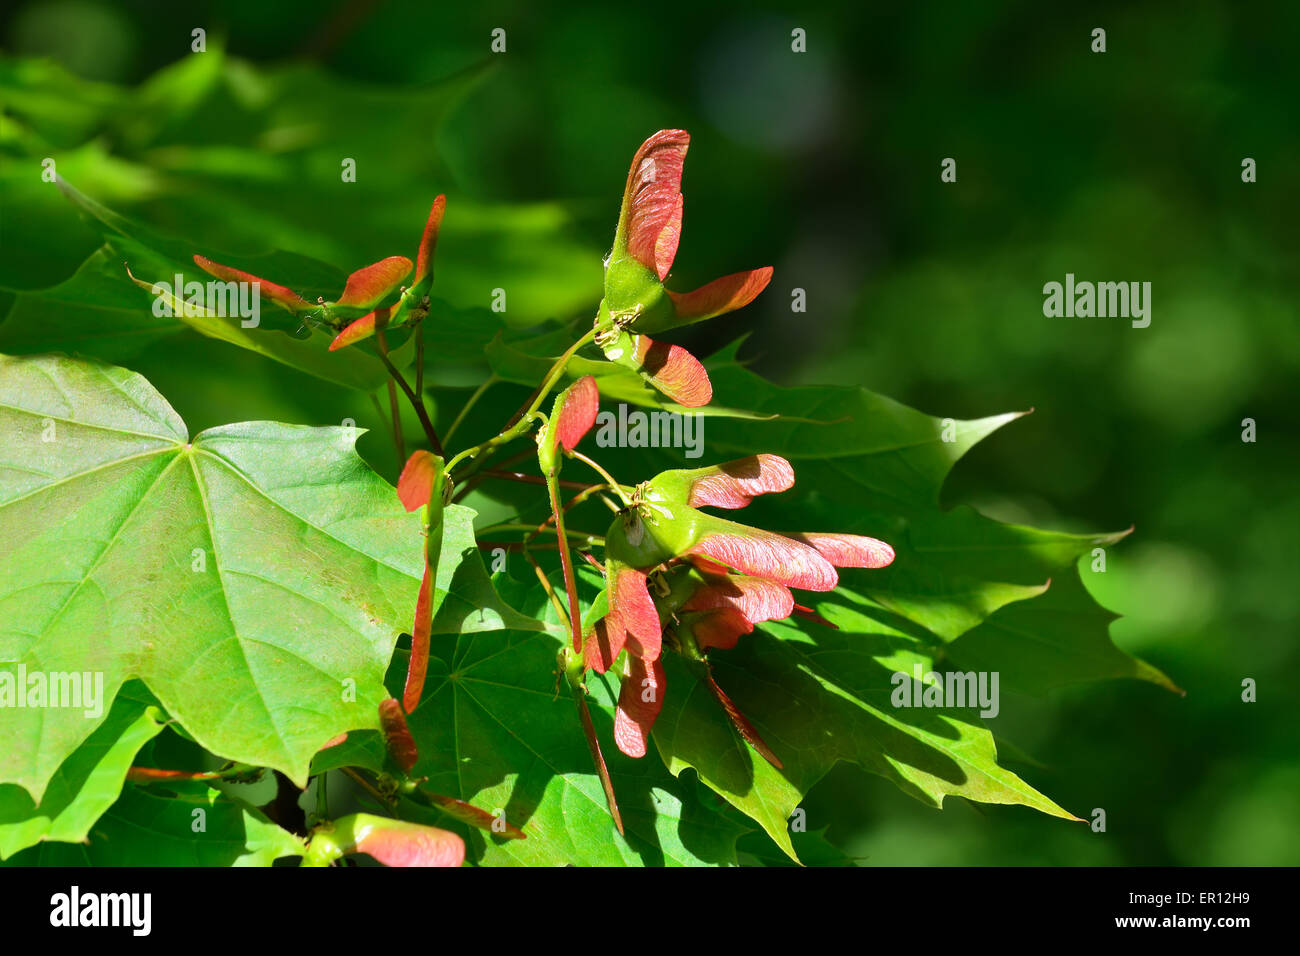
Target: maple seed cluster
(703,581)
(357,314)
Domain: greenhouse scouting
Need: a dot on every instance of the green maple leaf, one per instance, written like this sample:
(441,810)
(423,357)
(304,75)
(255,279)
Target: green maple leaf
(86,784)
(255,577)
(189,829)
(818,699)
(1054,641)
(92,313)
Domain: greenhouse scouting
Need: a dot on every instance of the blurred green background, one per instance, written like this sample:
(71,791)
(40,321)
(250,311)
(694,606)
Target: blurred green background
(826,164)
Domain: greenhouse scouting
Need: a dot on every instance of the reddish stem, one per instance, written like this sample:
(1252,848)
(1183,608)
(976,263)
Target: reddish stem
(531,479)
(566,562)
(417,402)
(597,758)
(151,774)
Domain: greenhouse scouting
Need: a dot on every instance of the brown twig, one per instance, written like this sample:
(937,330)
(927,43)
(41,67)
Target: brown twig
(417,403)
(396,413)
(365,785)
(531,479)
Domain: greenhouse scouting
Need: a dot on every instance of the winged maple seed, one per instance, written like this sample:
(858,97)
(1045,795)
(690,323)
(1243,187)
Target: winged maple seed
(572,416)
(424,484)
(397,735)
(363,292)
(391,842)
(636,302)
(413,305)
